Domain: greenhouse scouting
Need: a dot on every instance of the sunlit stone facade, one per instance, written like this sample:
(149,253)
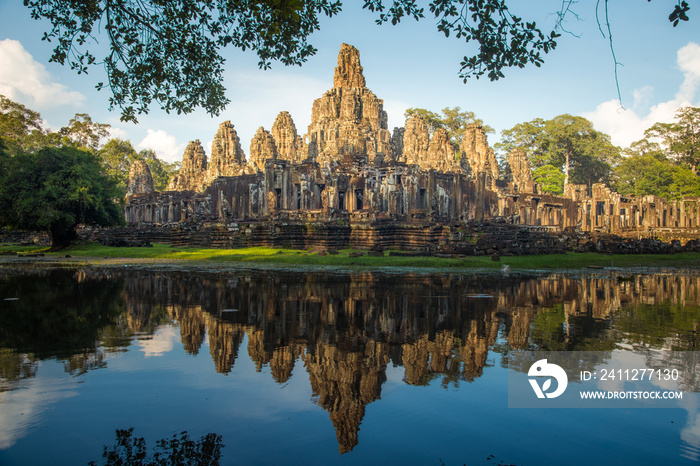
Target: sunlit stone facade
(349,169)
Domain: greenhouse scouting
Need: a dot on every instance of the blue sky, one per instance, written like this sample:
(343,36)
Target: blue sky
(409,65)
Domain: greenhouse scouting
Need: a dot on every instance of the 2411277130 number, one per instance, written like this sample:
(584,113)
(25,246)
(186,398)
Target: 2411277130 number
(638,374)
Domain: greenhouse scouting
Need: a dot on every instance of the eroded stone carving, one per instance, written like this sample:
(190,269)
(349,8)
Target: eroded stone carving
(227,157)
(348,73)
(520,171)
(476,151)
(290,146)
(262,148)
(140,179)
(441,153)
(192,174)
(416,140)
(348,123)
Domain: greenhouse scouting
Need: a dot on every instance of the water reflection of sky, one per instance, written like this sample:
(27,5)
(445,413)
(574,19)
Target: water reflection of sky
(162,341)
(27,404)
(357,392)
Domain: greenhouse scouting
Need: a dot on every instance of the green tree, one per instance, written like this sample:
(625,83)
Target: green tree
(161,171)
(453,120)
(82,132)
(680,140)
(549,178)
(117,155)
(55,190)
(651,173)
(22,130)
(20,127)
(568,143)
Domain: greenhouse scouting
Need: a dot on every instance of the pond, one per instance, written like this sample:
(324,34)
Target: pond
(285,367)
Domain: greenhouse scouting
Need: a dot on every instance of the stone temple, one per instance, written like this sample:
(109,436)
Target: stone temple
(350,182)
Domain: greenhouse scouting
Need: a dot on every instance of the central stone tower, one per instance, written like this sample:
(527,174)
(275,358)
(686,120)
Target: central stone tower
(348,124)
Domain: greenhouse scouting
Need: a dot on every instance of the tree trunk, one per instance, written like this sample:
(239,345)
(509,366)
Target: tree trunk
(61,239)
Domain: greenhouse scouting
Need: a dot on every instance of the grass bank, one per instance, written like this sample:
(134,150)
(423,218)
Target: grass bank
(159,252)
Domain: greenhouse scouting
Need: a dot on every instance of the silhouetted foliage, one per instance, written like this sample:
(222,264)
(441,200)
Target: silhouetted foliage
(178,450)
(56,313)
(21,128)
(171,52)
(680,140)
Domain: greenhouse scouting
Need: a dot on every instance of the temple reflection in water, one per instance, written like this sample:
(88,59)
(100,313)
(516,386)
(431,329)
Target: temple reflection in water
(344,330)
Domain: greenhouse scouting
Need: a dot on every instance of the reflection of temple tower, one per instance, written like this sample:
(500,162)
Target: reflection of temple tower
(224,342)
(282,362)
(519,328)
(425,359)
(345,382)
(192,326)
(475,349)
(440,328)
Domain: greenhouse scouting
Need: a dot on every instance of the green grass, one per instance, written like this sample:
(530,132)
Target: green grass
(92,251)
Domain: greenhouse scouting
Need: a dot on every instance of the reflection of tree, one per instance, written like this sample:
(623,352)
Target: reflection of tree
(177,450)
(80,363)
(686,362)
(16,366)
(60,314)
(548,332)
(667,324)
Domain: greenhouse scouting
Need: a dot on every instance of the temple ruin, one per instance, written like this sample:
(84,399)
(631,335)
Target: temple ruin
(350,182)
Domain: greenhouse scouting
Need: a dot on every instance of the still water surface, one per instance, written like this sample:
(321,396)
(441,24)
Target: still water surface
(318,368)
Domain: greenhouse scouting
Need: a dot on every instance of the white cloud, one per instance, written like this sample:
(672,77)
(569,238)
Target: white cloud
(165,145)
(25,80)
(22,410)
(627,125)
(642,96)
(118,133)
(160,343)
(689,63)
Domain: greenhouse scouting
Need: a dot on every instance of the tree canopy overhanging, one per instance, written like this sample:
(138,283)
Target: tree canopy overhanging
(170,52)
